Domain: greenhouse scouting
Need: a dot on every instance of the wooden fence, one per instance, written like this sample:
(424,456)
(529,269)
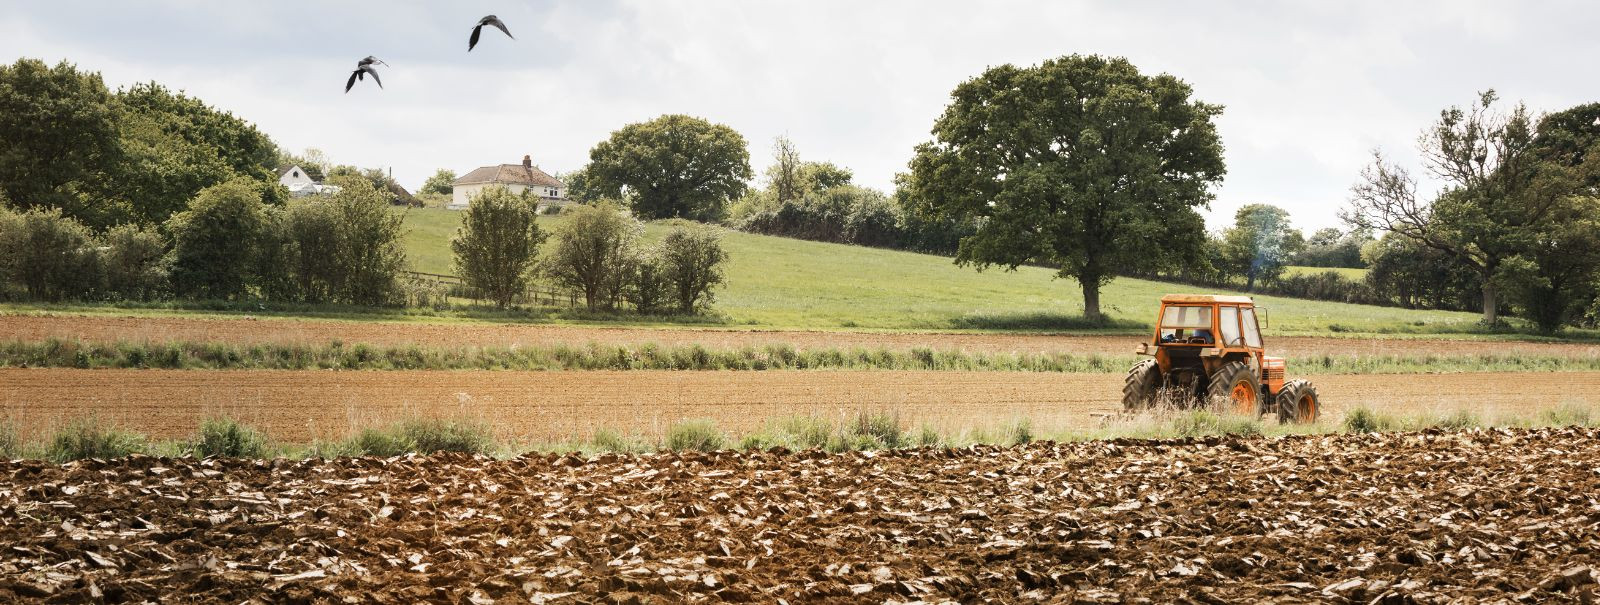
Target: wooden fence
(536,294)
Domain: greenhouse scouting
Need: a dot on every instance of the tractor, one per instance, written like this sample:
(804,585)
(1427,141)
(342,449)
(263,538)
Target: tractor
(1207,349)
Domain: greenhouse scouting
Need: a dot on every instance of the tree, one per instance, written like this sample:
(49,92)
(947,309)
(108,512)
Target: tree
(649,289)
(58,136)
(1494,197)
(692,261)
(1081,162)
(579,188)
(1259,244)
(52,256)
(1555,277)
(784,175)
(498,244)
(215,241)
(595,252)
(1330,247)
(442,182)
(672,166)
(370,252)
(135,262)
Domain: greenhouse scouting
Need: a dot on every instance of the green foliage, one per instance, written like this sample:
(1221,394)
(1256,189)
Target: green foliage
(10,445)
(52,256)
(441,183)
(383,443)
(175,145)
(695,435)
(650,289)
(595,252)
(1259,244)
(429,435)
(227,438)
(498,244)
(215,242)
(1570,414)
(607,440)
(1365,420)
(1020,432)
(89,438)
(1458,420)
(1081,163)
(691,261)
(883,429)
(58,139)
(674,166)
(1199,423)
(135,263)
(1330,247)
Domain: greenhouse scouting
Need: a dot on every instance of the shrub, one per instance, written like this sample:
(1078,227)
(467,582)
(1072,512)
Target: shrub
(1364,420)
(807,432)
(695,435)
(215,241)
(10,446)
(882,429)
(607,440)
(380,442)
(51,256)
(431,435)
(498,244)
(1458,420)
(927,436)
(83,439)
(595,252)
(227,438)
(1020,432)
(1569,414)
(692,261)
(650,288)
(135,263)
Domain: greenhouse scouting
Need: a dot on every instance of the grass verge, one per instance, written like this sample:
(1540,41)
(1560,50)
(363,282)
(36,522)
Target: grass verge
(60,353)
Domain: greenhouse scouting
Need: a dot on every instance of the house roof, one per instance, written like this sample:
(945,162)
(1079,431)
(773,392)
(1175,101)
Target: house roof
(510,174)
(282,170)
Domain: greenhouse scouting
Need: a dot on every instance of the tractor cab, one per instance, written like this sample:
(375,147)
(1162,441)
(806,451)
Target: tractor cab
(1210,347)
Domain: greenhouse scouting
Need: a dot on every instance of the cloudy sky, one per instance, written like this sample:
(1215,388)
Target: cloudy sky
(1310,87)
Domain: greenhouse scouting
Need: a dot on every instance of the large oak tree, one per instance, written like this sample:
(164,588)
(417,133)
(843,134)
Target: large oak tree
(674,166)
(1081,162)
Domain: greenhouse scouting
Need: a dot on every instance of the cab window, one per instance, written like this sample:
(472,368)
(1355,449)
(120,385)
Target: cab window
(1252,333)
(1228,323)
(1186,324)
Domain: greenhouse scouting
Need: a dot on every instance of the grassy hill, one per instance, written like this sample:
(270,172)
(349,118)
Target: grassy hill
(787,283)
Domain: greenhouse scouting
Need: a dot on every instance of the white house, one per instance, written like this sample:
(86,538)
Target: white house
(514,177)
(301,184)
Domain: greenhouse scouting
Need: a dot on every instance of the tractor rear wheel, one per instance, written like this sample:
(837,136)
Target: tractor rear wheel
(1236,389)
(1298,403)
(1141,385)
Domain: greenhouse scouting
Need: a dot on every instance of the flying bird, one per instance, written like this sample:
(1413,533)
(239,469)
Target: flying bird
(478,29)
(364,67)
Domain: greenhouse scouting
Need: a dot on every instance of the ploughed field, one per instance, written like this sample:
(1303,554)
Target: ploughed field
(541,407)
(1431,517)
(289,331)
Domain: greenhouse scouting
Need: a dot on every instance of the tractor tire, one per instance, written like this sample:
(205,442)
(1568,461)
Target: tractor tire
(1236,389)
(1140,387)
(1298,402)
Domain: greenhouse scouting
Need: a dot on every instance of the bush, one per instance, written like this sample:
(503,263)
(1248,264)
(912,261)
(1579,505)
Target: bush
(10,446)
(1569,415)
(882,429)
(84,439)
(1364,420)
(427,436)
(383,443)
(498,244)
(227,438)
(650,288)
(595,252)
(1020,432)
(51,256)
(692,262)
(607,440)
(695,435)
(215,242)
(135,263)
(1458,420)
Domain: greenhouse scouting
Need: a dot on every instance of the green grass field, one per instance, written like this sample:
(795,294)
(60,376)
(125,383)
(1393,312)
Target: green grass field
(788,283)
(1353,274)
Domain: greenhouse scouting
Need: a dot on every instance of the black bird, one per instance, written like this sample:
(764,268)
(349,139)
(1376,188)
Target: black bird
(364,67)
(478,29)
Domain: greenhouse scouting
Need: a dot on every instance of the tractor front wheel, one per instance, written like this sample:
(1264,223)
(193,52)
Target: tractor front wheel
(1236,389)
(1298,403)
(1141,385)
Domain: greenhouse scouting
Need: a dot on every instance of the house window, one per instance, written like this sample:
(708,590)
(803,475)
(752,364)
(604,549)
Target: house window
(297,174)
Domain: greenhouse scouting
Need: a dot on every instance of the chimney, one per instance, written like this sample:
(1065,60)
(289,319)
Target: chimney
(527,161)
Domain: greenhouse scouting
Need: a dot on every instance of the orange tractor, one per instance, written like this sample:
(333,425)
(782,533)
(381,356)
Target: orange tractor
(1208,349)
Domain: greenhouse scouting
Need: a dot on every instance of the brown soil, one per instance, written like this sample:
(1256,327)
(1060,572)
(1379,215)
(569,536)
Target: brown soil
(1481,516)
(250,331)
(543,407)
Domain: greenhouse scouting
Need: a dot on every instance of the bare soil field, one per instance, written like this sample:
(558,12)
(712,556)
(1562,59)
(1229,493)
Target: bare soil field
(544,407)
(249,331)
(1432,517)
